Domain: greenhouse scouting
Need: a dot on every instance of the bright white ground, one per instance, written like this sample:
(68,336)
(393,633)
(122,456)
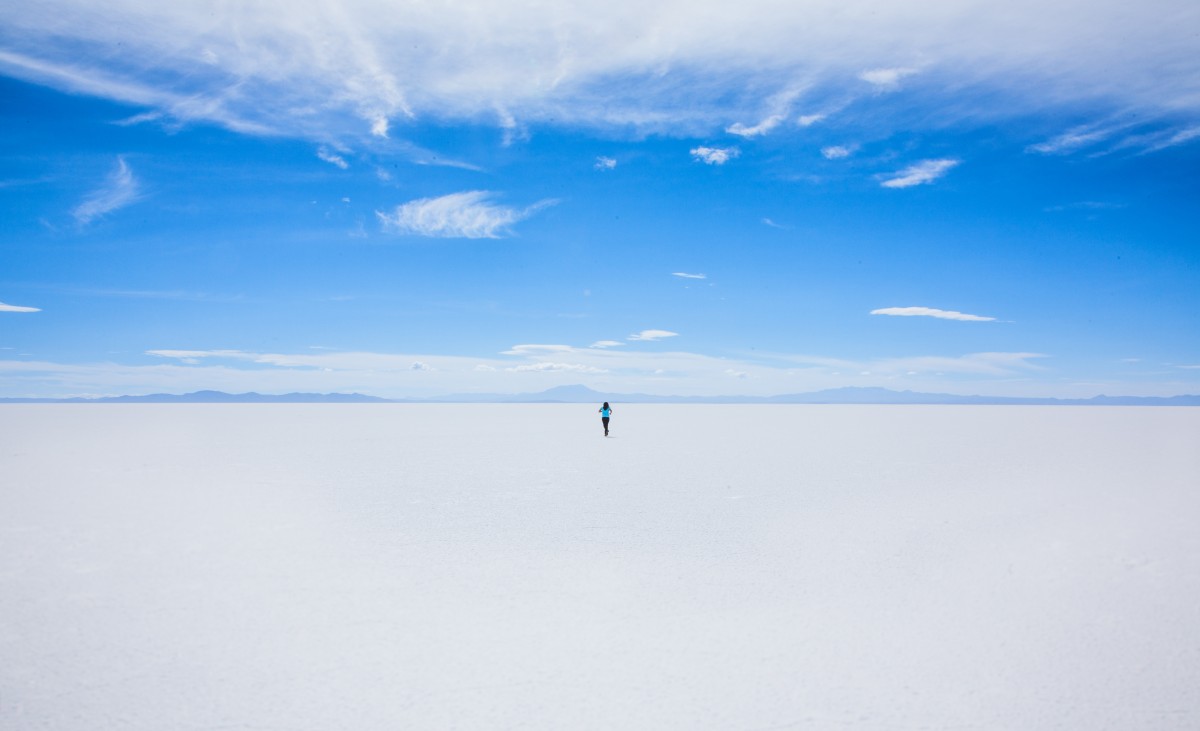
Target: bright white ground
(191,567)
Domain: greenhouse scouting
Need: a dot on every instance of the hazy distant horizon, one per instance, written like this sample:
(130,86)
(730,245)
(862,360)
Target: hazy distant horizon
(578,393)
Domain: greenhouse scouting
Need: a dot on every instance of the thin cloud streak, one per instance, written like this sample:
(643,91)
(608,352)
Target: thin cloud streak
(922,173)
(1074,139)
(931,312)
(17,308)
(469,214)
(652,335)
(120,190)
(757,130)
(324,153)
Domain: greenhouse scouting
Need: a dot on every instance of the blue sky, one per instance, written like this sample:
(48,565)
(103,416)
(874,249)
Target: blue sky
(695,198)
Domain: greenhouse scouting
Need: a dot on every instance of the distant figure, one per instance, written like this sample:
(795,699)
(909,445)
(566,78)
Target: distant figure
(605,412)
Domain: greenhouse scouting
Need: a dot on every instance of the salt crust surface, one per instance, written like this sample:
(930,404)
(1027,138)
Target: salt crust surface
(197,567)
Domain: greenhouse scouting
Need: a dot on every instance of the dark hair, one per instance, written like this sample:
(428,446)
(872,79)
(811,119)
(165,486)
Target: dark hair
(606,405)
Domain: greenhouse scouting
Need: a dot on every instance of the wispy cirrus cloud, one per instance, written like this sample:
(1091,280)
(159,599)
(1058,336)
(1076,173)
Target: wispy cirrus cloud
(535,349)
(369,66)
(470,214)
(121,189)
(1074,139)
(331,157)
(886,78)
(548,367)
(17,308)
(652,335)
(762,128)
(1109,137)
(921,173)
(685,275)
(837,152)
(778,108)
(605,163)
(931,312)
(1174,138)
(714,155)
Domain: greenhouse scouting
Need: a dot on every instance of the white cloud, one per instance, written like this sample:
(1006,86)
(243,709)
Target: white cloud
(419,366)
(1179,137)
(546,367)
(1074,139)
(1120,135)
(808,120)
(715,155)
(836,152)
(120,190)
(685,275)
(605,163)
(886,78)
(468,215)
(930,312)
(17,308)
(615,371)
(761,128)
(139,119)
(606,344)
(921,173)
(778,108)
(772,224)
(332,158)
(64,73)
(538,349)
(352,67)
(651,335)
(195,356)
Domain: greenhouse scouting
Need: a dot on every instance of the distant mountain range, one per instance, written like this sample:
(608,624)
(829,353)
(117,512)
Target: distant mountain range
(212,397)
(583,394)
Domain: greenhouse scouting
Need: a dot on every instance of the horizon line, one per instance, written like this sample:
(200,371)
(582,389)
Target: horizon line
(867,395)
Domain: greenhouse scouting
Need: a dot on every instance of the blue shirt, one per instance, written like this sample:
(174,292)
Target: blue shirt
(605,412)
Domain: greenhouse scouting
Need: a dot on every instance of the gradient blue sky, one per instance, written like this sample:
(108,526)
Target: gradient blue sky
(693,198)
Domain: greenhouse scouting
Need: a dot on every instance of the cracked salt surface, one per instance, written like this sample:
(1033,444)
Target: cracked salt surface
(492,566)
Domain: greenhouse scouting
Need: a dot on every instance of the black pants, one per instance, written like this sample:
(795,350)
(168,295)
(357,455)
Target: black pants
(605,420)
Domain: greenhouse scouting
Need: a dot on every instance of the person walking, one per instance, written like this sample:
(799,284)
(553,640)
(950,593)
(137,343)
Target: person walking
(605,412)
